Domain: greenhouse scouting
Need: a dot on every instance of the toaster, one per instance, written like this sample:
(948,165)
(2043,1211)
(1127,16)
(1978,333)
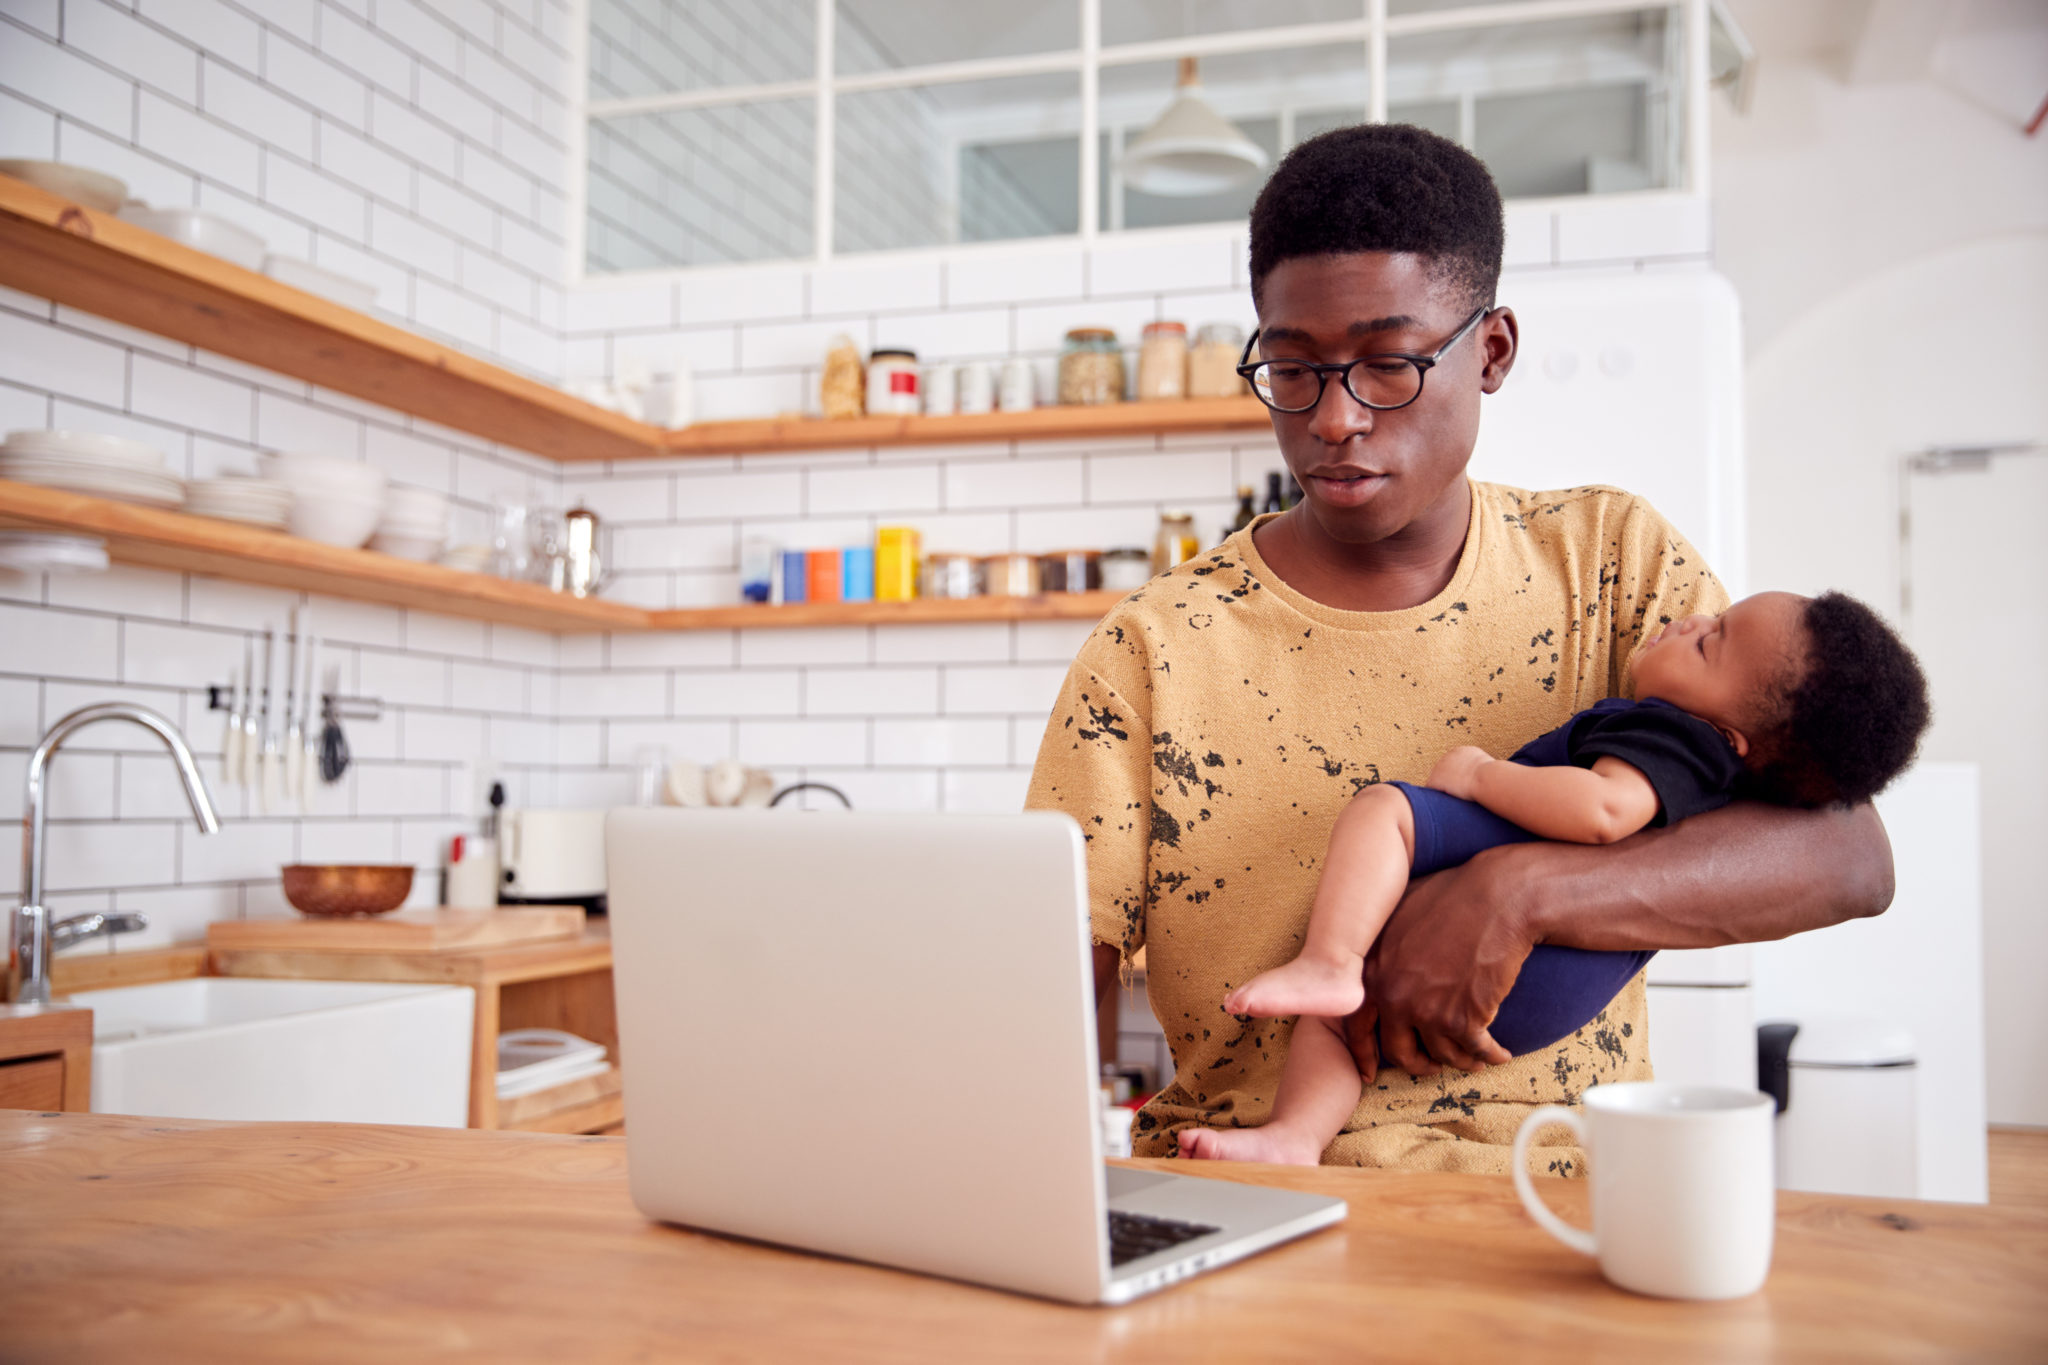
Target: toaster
(552,855)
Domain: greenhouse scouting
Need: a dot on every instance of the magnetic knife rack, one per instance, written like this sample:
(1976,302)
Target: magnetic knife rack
(219,698)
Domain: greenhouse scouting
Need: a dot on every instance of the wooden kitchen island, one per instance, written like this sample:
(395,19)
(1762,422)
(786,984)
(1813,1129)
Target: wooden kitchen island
(126,1239)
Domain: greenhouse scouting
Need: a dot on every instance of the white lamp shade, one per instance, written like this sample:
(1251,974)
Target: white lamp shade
(1190,149)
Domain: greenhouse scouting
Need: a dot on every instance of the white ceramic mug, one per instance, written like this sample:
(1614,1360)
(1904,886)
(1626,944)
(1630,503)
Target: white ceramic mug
(1684,1200)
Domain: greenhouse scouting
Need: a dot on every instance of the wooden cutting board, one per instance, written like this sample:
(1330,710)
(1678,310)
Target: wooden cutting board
(404,931)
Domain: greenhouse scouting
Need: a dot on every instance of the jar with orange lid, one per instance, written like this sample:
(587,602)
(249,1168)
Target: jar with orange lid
(1163,361)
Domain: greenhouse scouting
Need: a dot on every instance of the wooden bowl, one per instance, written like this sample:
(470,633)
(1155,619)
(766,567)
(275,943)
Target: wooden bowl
(339,890)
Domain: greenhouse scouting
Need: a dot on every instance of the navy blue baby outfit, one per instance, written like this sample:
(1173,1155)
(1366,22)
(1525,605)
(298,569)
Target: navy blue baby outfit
(1691,767)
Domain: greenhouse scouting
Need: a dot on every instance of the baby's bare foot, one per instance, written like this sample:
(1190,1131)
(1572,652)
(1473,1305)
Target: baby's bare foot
(1269,1144)
(1303,986)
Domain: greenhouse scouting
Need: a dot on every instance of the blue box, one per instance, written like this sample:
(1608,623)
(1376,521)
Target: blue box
(857,573)
(794,576)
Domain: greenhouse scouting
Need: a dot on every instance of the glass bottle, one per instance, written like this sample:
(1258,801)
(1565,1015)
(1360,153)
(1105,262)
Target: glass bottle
(1175,543)
(1245,510)
(1273,502)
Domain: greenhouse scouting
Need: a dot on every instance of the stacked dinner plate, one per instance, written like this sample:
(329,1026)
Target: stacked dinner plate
(87,462)
(241,497)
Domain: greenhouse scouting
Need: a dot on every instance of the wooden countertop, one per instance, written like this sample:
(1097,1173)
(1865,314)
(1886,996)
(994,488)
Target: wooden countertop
(169,1240)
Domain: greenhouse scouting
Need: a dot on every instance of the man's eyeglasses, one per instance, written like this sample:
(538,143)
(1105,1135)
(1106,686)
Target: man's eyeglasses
(1381,382)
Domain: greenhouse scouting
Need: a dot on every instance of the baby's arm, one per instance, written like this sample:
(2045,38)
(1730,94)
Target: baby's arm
(1597,805)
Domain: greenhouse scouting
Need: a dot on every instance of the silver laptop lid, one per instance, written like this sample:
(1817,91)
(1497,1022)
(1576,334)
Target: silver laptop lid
(868,1035)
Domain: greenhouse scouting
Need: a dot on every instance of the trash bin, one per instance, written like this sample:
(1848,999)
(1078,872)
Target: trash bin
(1847,1104)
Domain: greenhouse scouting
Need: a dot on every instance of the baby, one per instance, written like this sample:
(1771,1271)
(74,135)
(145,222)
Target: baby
(1800,701)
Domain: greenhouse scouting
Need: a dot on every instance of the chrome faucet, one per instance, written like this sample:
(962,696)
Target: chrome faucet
(34,937)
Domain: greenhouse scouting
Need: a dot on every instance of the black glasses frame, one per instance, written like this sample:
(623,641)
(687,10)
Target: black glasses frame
(1422,363)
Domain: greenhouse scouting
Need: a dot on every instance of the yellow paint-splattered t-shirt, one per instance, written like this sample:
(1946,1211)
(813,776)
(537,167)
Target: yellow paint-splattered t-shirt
(1215,723)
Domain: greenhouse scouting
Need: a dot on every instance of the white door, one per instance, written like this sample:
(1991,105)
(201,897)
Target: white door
(1977,566)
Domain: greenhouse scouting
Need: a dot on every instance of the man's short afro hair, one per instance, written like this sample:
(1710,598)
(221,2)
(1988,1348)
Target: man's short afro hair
(1852,722)
(1383,187)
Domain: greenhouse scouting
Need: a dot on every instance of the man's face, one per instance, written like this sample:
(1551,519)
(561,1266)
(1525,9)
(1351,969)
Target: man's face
(1365,474)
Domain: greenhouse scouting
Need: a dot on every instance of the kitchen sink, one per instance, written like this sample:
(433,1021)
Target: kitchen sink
(243,1048)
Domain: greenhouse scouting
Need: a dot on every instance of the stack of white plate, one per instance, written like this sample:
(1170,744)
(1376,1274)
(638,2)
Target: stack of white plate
(87,462)
(334,501)
(415,523)
(239,497)
(45,552)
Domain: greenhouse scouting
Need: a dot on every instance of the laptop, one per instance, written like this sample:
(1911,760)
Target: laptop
(873,1036)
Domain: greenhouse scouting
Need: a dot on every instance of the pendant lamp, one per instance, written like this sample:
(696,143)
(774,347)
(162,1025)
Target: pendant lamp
(1190,148)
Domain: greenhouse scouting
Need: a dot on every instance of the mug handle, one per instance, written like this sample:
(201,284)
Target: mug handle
(1578,1239)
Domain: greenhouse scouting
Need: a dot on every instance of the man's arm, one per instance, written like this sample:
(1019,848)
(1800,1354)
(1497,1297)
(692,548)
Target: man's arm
(1745,873)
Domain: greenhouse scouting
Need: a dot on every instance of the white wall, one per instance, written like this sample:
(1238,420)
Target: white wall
(1890,243)
(913,717)
(424,154)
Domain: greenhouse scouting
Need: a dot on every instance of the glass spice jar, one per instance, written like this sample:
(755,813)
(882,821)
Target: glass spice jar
(1091,367)
(1125,567)
(952,576)
(1010,575)
(1212,362)
(1163,361)
(1175,543)
(1070,570)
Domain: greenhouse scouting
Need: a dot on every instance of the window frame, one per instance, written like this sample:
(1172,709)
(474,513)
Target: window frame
(1372,29)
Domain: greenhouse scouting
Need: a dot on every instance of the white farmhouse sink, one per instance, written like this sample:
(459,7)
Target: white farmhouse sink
(239,1048)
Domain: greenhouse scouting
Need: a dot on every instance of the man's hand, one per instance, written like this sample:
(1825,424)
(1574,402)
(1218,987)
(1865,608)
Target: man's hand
(1438,973)
(1454,772)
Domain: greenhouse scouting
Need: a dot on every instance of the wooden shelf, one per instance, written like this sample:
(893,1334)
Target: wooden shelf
(1051,606)
(57,249)
(180,541)
(250,554)
(1113,420)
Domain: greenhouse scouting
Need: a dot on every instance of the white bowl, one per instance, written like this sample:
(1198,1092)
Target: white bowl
(200,231)
(333,519)
(326,473)
(41,552)
(418,548)
(90,188)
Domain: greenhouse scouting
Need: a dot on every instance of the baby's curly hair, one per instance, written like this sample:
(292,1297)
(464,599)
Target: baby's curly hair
(1848,723)
(1383,187)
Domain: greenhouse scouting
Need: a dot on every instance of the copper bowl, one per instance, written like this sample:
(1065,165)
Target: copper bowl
(336,889)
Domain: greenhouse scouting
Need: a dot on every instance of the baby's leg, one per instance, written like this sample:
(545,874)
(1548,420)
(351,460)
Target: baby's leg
(1372,848)
(1319,1089)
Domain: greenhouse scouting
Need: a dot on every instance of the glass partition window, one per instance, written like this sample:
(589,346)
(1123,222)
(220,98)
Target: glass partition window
(720,131)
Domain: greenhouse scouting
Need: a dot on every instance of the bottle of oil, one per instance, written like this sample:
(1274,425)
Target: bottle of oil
(1273,502)
(1245,510)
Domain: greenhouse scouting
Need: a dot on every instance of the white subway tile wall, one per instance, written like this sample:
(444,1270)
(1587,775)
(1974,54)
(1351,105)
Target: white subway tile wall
(425,150)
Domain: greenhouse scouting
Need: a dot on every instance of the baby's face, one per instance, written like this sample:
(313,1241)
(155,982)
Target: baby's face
(1720,667)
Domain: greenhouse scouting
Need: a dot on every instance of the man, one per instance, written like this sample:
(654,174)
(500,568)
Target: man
(1219,718)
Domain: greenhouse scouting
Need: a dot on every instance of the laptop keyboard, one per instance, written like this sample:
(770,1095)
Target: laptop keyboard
(1132,1235)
